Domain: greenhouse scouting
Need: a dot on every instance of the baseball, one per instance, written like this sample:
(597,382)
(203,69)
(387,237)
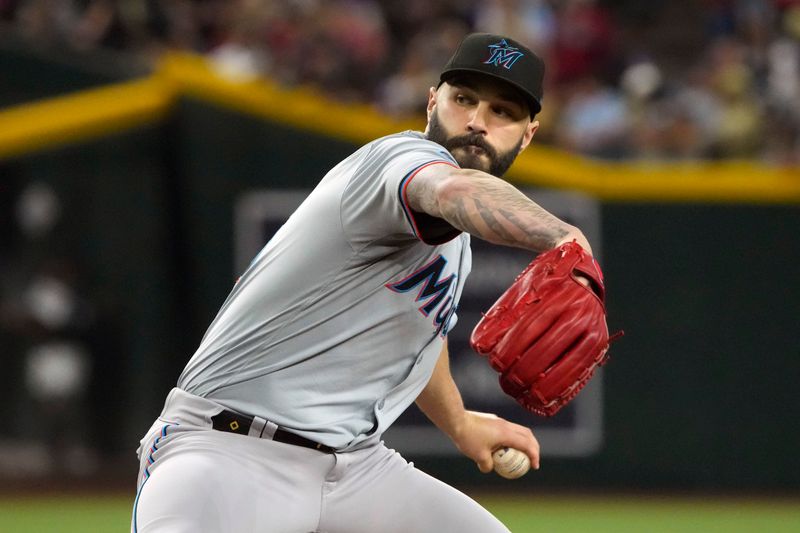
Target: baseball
(510,463)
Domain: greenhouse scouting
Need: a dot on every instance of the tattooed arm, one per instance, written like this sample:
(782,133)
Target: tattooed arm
(489,208)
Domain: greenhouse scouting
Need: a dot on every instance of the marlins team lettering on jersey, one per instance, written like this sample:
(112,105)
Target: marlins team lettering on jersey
(434,292)
(336,326)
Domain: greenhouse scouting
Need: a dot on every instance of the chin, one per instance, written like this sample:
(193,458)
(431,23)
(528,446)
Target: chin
(473,162)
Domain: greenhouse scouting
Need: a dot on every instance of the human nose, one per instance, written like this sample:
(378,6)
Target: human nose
(477,120)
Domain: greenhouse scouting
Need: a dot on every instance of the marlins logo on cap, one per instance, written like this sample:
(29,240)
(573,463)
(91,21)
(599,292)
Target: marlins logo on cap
(502,58)
(503,54)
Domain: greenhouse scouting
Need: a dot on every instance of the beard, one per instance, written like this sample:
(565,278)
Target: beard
(498,163)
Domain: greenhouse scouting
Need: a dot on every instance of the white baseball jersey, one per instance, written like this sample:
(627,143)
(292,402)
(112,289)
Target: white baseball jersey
(337,324)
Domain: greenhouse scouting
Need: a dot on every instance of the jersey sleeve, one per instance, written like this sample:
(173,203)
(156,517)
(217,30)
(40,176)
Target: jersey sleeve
(375,205)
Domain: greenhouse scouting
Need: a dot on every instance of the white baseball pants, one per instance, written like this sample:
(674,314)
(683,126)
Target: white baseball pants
(194,479)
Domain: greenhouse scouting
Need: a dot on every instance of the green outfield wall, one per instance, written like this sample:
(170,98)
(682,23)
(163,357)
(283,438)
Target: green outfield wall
(700,394)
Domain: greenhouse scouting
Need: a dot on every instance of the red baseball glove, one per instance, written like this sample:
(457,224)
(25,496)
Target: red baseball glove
(547,333)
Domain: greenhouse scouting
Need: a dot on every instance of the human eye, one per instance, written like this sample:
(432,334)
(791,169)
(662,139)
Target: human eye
(503,112)
(464,99)
(508,112)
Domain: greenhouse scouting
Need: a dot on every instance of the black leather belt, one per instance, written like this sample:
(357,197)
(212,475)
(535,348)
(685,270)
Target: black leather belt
(232,422)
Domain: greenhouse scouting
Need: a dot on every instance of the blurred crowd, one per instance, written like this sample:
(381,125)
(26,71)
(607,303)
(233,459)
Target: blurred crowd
(662,79)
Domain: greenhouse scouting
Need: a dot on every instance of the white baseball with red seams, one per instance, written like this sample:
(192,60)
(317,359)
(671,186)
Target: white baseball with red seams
(511,463)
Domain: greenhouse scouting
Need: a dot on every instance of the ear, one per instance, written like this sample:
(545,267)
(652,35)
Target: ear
(530,131)
(432,93)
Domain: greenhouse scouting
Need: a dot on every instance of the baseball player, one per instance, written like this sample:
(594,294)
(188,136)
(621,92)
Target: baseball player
(341,322)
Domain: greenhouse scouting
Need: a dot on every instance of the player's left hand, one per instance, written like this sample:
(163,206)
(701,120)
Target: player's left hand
(547,334)
(483,433)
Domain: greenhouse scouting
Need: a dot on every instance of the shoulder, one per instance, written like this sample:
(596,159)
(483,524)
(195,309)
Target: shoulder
(408,143)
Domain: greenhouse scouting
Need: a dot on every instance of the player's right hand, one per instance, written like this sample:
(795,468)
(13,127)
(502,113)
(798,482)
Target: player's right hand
(483,433)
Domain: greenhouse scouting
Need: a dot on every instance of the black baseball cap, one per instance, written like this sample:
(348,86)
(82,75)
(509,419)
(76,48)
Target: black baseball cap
(502,58)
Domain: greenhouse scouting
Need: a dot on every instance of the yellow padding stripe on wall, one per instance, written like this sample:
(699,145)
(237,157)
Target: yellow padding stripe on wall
(537,166)
(82,116)
(304,108)
(97,112)
(721,181)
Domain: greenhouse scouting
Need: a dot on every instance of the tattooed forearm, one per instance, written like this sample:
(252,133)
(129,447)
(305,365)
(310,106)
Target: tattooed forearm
(493,210)
(494,221)
(489,208)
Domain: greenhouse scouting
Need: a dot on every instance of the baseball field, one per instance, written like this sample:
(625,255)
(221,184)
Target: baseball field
(552,514)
